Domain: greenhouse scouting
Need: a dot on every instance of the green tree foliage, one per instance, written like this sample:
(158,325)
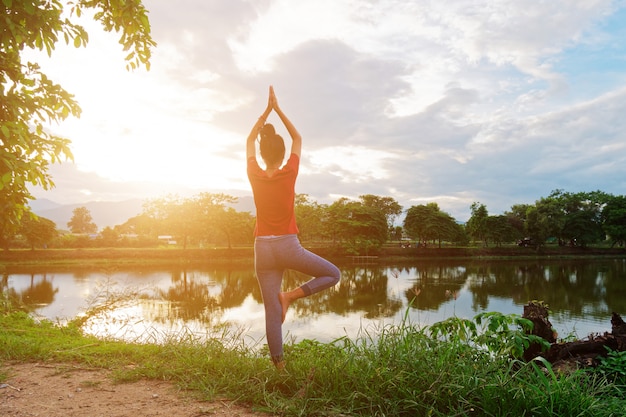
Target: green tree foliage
(426,223)
(237,226)
(81,221)
(386,205)
(614,219)
(218,221)
(417,220)
(357,227)
(312,218)
(31,101)
(174,216)
(202,219)
(501,229)
(142,224)
(477,225)
(38,231)
(109,237)
(571,218)
(518,218)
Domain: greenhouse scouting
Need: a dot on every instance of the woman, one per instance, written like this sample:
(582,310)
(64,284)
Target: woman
(276,245)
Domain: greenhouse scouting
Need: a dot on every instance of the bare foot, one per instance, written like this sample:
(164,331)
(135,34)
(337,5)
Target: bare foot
(286,298)
(280,366)
(284,302)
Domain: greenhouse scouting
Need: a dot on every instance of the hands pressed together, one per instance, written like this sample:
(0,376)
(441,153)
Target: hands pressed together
(272,104)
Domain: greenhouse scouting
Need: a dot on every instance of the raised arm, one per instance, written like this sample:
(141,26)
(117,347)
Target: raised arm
(296,144)
(254,133)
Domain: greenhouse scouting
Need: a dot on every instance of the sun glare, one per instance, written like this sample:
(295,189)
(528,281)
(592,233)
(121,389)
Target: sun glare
(136,127)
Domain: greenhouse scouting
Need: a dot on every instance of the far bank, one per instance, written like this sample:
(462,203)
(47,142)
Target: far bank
(245,255)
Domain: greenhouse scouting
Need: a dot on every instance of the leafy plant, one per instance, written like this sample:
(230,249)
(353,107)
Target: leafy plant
(613,366)
(454,329)
(507,334)
(500,334)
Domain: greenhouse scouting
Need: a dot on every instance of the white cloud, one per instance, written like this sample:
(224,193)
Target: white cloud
(455,101)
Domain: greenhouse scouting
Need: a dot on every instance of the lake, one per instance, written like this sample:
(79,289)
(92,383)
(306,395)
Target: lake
(141,304)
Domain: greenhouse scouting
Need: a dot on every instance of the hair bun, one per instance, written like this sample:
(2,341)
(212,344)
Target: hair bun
(268,130)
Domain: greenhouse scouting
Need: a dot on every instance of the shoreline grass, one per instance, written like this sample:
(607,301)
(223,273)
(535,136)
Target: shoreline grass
(447,369)
(244,255)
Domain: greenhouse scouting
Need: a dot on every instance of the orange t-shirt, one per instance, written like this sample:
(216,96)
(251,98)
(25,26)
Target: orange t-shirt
(274,197)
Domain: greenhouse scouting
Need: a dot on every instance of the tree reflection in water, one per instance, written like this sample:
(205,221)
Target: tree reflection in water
(39,292)
(434,284)
(575,290)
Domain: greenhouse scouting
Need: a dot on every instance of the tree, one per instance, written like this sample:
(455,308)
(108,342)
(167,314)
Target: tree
(37,231)
(31,101)
(477,226)
(312,218)
(142,224)
(428,223)
(418,219)
(173,215)
(518,218)
(386,205)
(583,211)
(216,221)
(81,221)
(582,228)
(500,229)
(568,217)
(545,219)
(358,228)
(614,220)
(109,237)
(202,218)
(236,226)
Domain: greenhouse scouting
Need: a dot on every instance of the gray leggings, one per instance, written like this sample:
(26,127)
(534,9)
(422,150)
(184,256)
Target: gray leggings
(272,256)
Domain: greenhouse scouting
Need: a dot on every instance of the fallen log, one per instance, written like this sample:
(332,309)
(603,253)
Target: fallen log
(579,353)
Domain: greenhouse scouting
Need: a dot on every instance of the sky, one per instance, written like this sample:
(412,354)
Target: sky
(492,101)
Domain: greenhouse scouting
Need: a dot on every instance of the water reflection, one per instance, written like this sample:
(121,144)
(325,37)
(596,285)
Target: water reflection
(38,291)
(581,295)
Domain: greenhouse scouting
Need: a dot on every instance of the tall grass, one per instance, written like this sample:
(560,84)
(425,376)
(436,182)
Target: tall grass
(454,368)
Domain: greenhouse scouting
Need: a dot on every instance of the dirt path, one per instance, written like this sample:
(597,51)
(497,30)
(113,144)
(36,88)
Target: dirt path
(61,390)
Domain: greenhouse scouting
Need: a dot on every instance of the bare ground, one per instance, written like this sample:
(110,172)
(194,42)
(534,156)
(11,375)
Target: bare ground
(61,390)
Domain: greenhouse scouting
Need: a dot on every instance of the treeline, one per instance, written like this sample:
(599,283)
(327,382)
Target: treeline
(354,226)
(573,219)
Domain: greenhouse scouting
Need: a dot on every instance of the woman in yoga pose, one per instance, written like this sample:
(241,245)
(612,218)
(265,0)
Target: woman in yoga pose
(276,245)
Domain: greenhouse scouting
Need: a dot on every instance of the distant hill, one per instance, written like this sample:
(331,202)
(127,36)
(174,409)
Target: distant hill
(106,213)
(103,213)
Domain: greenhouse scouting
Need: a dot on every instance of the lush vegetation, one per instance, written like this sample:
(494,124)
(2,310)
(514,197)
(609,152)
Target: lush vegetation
(354,227)
(31,101)
(453,368)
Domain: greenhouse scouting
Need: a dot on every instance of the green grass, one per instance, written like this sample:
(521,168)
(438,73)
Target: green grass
(450,369)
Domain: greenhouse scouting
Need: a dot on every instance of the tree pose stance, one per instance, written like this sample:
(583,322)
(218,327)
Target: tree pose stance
(276,245)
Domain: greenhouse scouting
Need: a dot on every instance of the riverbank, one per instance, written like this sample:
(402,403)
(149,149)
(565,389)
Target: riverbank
(245,255)
(447,369)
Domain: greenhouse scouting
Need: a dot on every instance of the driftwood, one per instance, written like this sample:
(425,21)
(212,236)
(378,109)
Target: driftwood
(580,353)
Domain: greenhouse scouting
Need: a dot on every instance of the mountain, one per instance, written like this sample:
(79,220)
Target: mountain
(107,213)
(103,213)
(43,204)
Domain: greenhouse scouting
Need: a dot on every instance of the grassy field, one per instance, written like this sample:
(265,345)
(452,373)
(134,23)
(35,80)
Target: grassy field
(453,368)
